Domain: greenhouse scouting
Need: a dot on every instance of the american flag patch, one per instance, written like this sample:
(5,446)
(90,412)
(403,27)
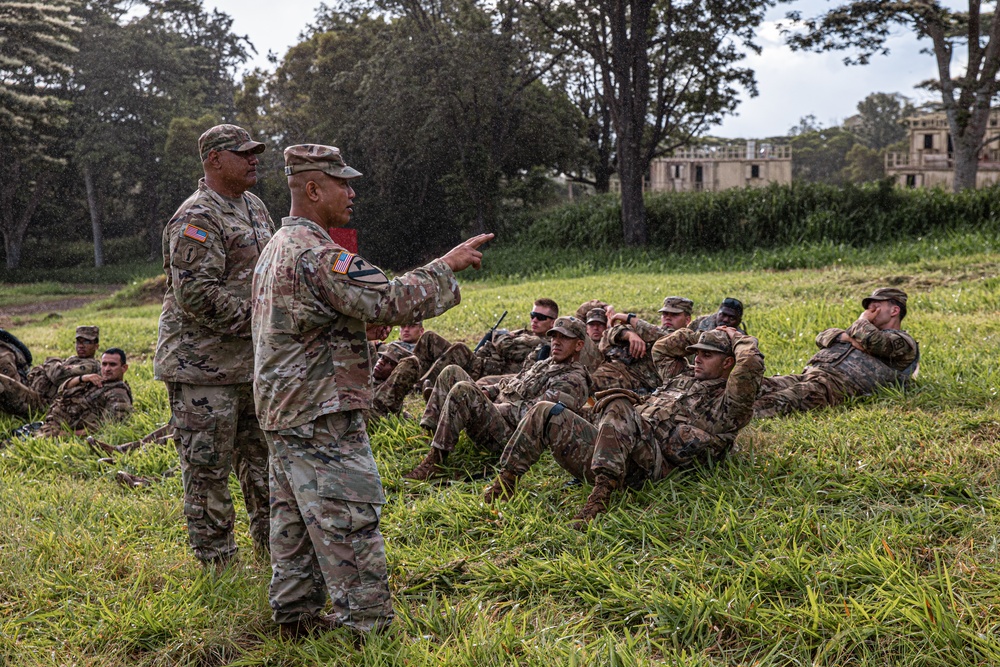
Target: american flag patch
(343,262)
(196,233)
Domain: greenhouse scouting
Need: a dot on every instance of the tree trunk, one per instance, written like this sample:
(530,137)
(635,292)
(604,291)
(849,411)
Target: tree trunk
(631,173)
(95,217)
(14,227)
(966,166)
(154,230)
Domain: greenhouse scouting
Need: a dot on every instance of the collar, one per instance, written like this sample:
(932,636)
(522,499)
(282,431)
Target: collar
(299,221)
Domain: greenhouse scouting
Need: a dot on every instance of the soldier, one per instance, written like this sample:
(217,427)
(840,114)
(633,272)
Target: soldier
(730,314)
(311,302)
(85,402)
(626,344)
(691,418)
(873,352)
(490,413)
(597,324)
(204,353)
(15,357)
(500,354)
(398,370)
(43,381)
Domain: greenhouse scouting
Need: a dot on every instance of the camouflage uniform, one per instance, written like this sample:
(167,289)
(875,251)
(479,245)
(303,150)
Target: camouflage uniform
(205,357)
(505,354)
(15,358)
(390,393)
(839,370)
(311,302)
(87,406)
(491,413)
(684,421)
(709,322)
(42,382)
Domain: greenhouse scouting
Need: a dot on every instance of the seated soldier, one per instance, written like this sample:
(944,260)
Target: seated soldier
(44,381)
(394,373)
(15,357)
(597,324)
(873,352)
(490,413)
(502,353)
(626,344)
(85,402)
(729,314)
(692,418)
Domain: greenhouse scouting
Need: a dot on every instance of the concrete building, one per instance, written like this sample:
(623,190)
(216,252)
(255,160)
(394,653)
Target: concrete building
(929,163)
(714,168)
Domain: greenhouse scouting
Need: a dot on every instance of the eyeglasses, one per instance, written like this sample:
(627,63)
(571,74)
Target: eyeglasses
(541,316)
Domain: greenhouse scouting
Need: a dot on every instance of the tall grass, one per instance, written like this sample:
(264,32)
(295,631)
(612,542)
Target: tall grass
(860,535)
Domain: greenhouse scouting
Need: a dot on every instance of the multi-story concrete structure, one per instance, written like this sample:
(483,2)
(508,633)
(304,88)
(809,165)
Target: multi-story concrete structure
(930,162)
(713,168)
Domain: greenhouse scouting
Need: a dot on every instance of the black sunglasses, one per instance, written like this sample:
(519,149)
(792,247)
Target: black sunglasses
(541,316)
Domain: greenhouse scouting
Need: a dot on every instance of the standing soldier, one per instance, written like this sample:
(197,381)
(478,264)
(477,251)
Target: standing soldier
(312,303)
(873,352)
(42,382)
(204,353)
(693,417)
(489,413)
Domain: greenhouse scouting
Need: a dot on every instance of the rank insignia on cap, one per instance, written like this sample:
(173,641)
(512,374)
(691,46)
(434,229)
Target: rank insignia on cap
(343,263)
(196,233)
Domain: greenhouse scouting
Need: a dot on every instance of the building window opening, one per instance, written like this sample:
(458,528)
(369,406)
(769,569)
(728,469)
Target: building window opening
(755,171)
(911,180)
(928,142)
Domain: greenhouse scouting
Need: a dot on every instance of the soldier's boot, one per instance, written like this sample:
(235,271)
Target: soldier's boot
(100,447)
(427,389)
(502,488)
(597,501)
(429,467)
(131,481)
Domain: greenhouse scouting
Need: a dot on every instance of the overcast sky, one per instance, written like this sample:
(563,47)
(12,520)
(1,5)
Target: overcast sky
(791,85)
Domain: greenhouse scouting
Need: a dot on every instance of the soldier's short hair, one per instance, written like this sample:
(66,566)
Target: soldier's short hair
(117,350)
(548,303)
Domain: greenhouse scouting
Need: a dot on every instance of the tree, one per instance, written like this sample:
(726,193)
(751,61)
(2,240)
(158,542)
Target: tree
(669,69)
(881,119)
(865,25)
(820,155)
(35,50)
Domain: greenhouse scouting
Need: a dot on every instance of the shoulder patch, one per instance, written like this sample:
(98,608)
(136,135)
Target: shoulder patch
(343,263)
(196,233)
(361,271)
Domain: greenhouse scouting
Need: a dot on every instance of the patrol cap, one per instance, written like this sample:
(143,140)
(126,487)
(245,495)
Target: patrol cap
(394,352)
(88,333)
(714,341)
(587,306)
(597,315)
(887,294)
(227,138)
(315,157)
(734,306)
(677,304)
(569,326)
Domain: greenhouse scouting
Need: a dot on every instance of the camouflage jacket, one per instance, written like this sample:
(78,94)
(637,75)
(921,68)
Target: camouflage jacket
(892,347)
(311,301)
(719,407)
(615,348)
(47,378)
(567,383)
(510,352)
(88,406)
(210,248)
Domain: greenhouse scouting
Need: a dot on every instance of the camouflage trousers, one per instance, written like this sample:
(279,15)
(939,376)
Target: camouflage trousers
(326,501)
(616,373)
(458,404)
(618,446)
(459,355)
(390,394)
(429,347)
(785,394)
(215,431)
(19,400)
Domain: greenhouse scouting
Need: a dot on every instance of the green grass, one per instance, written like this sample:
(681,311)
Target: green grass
(860,535)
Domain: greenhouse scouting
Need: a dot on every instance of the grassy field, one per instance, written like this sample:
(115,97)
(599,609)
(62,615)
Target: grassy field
(861,535)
